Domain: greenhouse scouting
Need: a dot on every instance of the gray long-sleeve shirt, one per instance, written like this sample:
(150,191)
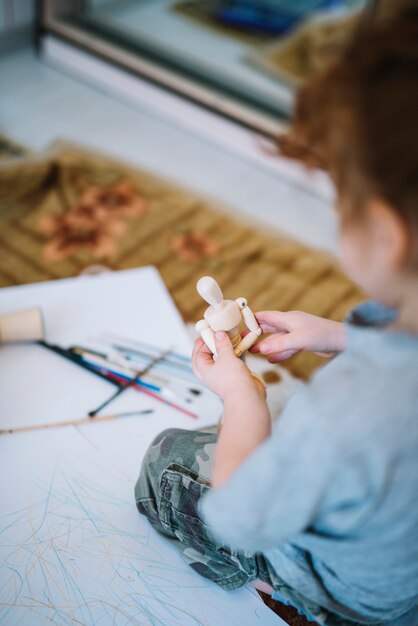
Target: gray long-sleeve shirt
(331,498)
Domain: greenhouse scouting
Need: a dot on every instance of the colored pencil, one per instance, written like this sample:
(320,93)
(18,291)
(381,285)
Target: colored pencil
(156,396)
(116,380)
(125,374)
(182,365)
(129,383)
(123,367)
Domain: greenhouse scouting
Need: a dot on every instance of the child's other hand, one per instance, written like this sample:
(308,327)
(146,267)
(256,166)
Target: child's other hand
(225,375)
(295,331)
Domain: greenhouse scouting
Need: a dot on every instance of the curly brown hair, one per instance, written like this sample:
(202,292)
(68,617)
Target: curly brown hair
(359,118)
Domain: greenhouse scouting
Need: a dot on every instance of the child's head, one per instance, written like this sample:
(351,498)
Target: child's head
(359,120)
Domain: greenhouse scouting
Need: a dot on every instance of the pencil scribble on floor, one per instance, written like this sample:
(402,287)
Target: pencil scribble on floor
(73,549)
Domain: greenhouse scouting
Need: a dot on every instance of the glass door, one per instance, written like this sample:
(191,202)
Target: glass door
(243,58)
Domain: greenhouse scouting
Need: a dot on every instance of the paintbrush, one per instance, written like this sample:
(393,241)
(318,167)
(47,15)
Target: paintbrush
(130,383)
(76,422)
(76,359)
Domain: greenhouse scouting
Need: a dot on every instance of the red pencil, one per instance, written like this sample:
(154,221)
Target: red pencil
(152,394)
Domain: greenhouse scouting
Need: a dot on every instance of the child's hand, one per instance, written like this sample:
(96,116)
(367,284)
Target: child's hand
(227,374)
(295,331)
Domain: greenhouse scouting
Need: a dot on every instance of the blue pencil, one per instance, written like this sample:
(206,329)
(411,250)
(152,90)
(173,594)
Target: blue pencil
(114,371)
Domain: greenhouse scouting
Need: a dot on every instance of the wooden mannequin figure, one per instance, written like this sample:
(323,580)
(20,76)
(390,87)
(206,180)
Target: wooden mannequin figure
(226,315)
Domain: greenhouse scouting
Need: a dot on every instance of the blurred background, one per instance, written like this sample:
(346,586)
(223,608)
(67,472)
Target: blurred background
(242,57)
(194,90)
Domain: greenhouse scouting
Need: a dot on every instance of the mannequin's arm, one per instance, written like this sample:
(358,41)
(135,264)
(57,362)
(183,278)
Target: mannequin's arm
(252,325)
(207,335)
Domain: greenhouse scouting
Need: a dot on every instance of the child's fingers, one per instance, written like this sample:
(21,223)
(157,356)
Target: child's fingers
(255,349)
(267,328)
(198,344)
(196,348)
(204,354)
(223,345)
(279,343)
(326,355)
(276,358)
(275,320)
(201,356)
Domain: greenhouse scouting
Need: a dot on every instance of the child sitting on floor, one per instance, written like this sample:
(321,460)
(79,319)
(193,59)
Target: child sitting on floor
(323,513)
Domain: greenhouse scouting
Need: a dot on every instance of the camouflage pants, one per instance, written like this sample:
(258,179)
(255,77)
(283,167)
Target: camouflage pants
(174,476)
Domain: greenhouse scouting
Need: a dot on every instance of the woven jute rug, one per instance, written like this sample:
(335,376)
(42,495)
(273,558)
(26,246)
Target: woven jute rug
(69,208)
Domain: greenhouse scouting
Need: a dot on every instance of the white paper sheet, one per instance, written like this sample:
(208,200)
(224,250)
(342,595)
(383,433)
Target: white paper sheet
(74,550)
(38,386)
